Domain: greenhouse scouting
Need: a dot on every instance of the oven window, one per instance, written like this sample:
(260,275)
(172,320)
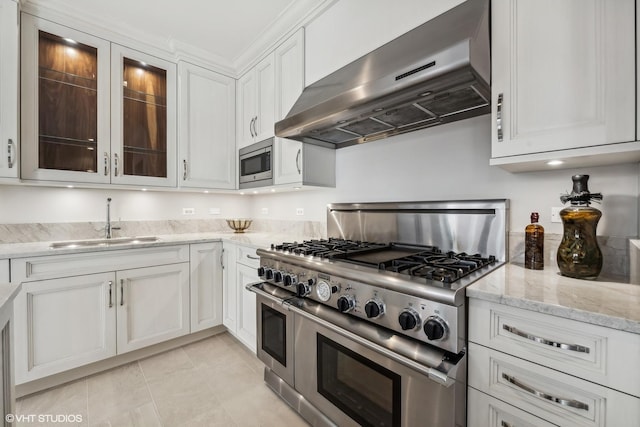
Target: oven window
(362,389)
(256,164)
(274,338)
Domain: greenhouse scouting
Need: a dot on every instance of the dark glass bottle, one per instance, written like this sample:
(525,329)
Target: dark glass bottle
(579,255)
(534,244)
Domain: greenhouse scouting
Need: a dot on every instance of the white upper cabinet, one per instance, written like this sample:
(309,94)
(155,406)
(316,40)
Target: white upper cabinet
(562,79)
(143,118)
(256,108)
(207,146)
(94,112)
(9,148)
(289,63)
(296,163)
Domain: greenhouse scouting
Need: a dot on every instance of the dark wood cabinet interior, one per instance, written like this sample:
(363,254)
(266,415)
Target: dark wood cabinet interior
(68,104)
(144,119)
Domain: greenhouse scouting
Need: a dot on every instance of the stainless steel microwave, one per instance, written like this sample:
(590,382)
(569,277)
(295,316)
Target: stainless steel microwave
(256,164)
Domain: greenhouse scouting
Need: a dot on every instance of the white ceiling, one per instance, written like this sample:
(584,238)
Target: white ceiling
(225,30)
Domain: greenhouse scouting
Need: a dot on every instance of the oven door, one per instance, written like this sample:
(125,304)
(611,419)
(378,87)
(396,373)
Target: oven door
(274,330)
(356,382)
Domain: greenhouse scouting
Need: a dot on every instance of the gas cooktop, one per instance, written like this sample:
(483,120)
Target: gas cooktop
(428,262)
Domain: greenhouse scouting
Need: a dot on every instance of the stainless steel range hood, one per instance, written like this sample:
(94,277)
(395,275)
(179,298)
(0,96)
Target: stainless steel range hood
(437,73)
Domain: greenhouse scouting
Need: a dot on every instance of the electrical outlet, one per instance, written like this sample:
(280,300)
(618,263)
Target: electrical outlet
(188,211)
(264,211)
(214,211)
(555,215)
(300,211)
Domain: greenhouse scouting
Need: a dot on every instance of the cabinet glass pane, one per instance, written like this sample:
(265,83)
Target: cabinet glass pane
(68,104)
(144,120)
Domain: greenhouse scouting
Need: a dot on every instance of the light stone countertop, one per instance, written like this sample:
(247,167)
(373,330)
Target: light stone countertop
(611,304)
(249,238)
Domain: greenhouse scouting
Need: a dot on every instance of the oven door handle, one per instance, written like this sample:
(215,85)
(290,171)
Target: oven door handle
(432,373)
(269,292)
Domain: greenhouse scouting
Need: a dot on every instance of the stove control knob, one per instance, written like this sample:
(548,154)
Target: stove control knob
(290,279)
(435,328)
(408,319)
(277,276)
(346,303)
(374,308)
(304,288)
(260,271)
(268,273)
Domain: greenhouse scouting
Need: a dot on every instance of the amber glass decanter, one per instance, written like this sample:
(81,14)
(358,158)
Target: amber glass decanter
(579,255)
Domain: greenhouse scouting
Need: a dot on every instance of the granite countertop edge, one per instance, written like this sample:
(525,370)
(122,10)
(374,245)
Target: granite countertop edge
(509,286)
(252,239)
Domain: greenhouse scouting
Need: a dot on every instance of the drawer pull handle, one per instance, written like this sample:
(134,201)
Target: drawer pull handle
(110,293)
(564,402)
(571,347)
(253,257)
(499,118)
(503,423)
(121,292)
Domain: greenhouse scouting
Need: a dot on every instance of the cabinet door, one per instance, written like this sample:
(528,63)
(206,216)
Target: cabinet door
(4,271)
(287,167)
(265,101)
(64,323)
(65,134)
(207,128)
(561,75)
(206,285)
(153,305)
(143,119)
(246,327)
(9,148)
(246,109)
(229,292)
(289,59)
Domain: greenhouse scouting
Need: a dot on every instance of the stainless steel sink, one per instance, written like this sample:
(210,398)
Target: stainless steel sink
(68,244)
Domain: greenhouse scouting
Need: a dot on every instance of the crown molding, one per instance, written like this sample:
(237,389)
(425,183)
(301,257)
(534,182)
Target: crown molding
(297,14)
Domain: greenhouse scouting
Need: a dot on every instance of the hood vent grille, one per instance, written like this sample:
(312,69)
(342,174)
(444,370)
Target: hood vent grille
(435,74)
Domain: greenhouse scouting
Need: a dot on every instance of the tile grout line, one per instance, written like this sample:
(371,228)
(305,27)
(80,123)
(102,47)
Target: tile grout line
(153,400)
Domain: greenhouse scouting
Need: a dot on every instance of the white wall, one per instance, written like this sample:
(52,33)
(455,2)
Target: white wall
(451,162)
(24,204)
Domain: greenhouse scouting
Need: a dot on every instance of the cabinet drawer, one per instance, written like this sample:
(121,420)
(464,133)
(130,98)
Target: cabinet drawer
(247,256)
(554,396)
(47,267)
(486,411)
(591,352)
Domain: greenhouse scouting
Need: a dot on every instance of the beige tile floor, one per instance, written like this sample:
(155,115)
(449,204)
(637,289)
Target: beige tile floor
(213,382)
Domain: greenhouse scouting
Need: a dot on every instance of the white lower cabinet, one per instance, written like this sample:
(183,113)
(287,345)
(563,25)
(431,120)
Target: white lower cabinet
(152,305)
(206,285)
(64,323)
(80,308)
(239,303)
(567,373)
(4,271)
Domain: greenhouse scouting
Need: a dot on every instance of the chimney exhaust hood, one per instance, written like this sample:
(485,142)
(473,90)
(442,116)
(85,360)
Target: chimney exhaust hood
(436,73)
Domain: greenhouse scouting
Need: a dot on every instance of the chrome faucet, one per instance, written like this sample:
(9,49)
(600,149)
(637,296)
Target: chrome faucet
(108,228)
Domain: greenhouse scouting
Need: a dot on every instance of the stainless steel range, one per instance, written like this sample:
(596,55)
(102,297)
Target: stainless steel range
(368,326)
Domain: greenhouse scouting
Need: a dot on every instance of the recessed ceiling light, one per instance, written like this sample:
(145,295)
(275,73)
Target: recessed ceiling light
(69,186)
(555,162)
(143,189)
(72,41)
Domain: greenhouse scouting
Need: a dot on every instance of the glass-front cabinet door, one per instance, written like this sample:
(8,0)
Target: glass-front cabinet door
(93,111)
(65,94)
(143,118)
